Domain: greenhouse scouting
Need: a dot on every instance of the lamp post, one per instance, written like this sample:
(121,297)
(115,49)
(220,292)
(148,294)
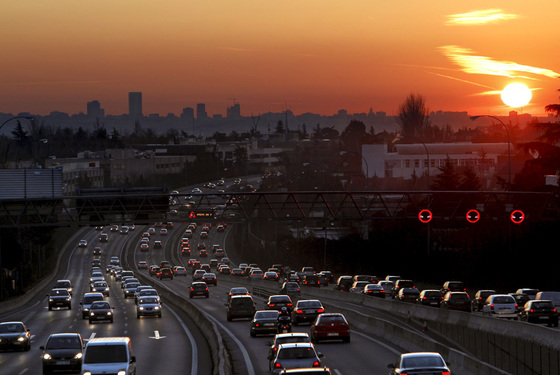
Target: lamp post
(365,161)
(401,137)
(473,118)
(30,118)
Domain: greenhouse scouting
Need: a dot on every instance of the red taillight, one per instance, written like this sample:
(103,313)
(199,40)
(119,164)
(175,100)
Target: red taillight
(277,365)
(290,304)
(299,312)
(532,310)
(492,306)
(445,373)
(317,364)
(256,324)
(271,305)
(321,310)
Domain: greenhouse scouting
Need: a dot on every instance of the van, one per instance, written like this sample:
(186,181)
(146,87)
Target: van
(551,296)
(109,355)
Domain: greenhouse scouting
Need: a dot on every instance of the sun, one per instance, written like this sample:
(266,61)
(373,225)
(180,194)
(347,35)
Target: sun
(516,95)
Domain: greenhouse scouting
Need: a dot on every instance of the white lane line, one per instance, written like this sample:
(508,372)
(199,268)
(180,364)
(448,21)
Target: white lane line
(29,316)
(377,342)
(337,372)
(92,336)
(194,359)
(248,363)
(23,371)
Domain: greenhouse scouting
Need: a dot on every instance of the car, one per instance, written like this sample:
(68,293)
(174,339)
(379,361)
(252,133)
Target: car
(165,273)
(96,263)
(151,231)
(154,269)
(202,253)
(188,233)
(82,243)
(164,263)
(520,298)
(213,263)
(306,310)
(148,306)
(539,311)
(225,260)
(531,292)
(295,355)
(67,284)
(97,251)
(62,352)
(344,283)
(430,297)
(144,246)
(220,253)
(197,275)
(456,301)
(130,289)
(237,291)
(169,225)
(101,287)
(124,230)
(115,261)
(199,288)
(163,232)
(236,272)
(59,297)
(265,322)
(408,295)
(392,278)
(99,311)
(114,228)
(139,290)
(203,235)
(374,290)
(500,306)
(453,286)
(285,338)
(330,326)
(479,298)
(552,296)
(293,276)
(142,265)
(312,280)
(419,363)
(220,228)
(290,288)
(87,300)
(328,274)
(387,286)
(180,271)
(224,269)
(369,278)
(109,355)
(210,278)
(146,293)
(401,283)
(256,274)
(358,286)
(240,306)
(278,301)
(157,245)
(14,335)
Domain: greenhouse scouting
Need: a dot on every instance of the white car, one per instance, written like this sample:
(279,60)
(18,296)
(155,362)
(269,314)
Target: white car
(421,363)
(82,243)
(500,306)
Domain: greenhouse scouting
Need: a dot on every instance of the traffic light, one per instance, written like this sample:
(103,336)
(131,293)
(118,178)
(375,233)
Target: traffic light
(517,216)
(425,216)
(473,216)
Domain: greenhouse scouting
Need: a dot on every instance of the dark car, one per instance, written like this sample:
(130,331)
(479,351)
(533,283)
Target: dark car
(479,298)
(264,321)
(100,310)
(306,310)
(520,298)
(199,288)
(14,335)
(240,307)
(430,297)
(290,288)
(331,326)
(154,270)
(401,284)
(67,284)
(88,299)
(374,290)
(210,278)
(165,273)
(59,297)
(63,351)
(408,295)
(277,301)
(453,286)
(456,301)
(97,250)
(148,306)
(344,283)
(295,355)
(539,311)
(312,280)
(130,290)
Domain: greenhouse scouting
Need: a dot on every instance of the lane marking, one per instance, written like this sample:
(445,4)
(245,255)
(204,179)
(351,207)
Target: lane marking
(194,356)
(377,342)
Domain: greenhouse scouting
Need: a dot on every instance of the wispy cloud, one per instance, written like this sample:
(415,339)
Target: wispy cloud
(461,80)
(50,83)
(472,64)
(479,17)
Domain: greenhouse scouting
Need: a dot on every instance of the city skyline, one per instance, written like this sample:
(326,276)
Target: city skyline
(317,56)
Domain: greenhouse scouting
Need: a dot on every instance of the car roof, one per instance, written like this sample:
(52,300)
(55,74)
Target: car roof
(420,354)
(292,345)
(291,334)
(108,341)
(90,294)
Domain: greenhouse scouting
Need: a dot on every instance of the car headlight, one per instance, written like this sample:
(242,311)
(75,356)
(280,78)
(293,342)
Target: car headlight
(156,308)
(141,308)
(68,298)
(92,313)
(121,372)
(21,338)
(87,373)
(78,356)
(109,313)
(50,300)
(47,356)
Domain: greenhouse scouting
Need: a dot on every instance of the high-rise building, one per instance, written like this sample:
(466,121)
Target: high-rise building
(94,109)
(234,111)
(188,115)
(135,104)
(201,111)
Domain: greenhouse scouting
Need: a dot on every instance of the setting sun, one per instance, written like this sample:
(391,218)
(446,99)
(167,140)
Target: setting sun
(516,95)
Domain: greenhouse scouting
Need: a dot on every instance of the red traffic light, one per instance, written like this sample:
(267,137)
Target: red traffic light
(425,216)
(517,216)
(473,216)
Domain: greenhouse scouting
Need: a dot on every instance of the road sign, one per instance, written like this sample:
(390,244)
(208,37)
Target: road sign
(473,216)
(425,216)
(517,216)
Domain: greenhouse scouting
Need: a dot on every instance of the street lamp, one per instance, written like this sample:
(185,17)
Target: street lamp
(401,137)
(29,141)
(365,161)
(30,118)
(473,118)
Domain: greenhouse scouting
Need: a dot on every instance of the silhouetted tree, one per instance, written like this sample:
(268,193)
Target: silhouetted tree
(469,179)
(448,178)
(354,135)
(413,116)
(20,135)
(280,127)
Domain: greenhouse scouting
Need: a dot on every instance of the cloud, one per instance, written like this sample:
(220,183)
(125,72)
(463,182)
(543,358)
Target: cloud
(479,17)
(472,64)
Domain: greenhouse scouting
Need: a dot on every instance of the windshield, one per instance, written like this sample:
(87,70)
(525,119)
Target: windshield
(11,328)
(422,362)
(309,304)
(89,300)
(69,342)
(267,315)
(106,354)
(148,300)
(100,305)
(296,353)
(59,292)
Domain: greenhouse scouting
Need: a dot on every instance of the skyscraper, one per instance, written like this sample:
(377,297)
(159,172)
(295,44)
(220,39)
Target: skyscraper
(94,110)
(201,111)
(135,104)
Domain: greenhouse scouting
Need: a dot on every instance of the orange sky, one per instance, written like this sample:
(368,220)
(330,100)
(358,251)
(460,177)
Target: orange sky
(308,55)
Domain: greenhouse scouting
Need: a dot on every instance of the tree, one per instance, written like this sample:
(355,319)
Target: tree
(20,135)
(469,179)
(448,178)
(413,116)
(354,135)
(554,108)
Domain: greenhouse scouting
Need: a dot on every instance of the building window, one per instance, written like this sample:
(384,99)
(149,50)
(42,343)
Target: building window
(432,163)
(416,163)
(407,163)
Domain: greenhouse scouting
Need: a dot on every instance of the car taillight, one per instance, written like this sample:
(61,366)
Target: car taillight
(445,373)
(271,305)
(321,310)
(299,311)
(277,365)
(532,310)
(492,306)
(290,304)
(316,364)
(553,310)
